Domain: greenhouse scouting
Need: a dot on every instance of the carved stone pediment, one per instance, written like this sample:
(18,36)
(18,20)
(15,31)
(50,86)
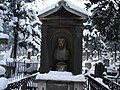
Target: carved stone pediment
(62,10)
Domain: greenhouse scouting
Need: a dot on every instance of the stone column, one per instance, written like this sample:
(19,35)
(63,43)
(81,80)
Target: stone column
(44,63)
(77,67)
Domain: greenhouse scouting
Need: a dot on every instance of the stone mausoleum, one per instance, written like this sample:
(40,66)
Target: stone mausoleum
(61,50)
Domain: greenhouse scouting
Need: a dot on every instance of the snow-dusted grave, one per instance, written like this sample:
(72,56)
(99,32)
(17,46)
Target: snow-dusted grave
(57,80)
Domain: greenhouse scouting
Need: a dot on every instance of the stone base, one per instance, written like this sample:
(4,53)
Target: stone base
(56,85)
(55,80)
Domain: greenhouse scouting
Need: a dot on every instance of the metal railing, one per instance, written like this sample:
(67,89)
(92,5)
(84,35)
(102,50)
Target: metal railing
(23,66)
(95,85)
(112,85)
(25,82)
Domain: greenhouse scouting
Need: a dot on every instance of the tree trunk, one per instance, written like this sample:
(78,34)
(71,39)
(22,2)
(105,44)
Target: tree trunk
(15,44)
(115,51)
(98,54)
(87,47)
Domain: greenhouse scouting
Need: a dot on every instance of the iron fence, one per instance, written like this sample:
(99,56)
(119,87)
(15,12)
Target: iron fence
(23,83)
(112,84)
(95,85)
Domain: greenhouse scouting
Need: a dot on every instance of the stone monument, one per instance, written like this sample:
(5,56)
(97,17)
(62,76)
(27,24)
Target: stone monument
(61,47)
(62,24)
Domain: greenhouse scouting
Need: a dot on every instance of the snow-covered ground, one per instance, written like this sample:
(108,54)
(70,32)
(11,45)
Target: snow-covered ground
(3,83)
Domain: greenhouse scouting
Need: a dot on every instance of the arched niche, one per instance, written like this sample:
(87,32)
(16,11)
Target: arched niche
(61,33)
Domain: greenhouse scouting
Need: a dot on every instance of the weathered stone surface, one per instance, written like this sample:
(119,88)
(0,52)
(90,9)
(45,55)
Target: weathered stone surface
(60,85)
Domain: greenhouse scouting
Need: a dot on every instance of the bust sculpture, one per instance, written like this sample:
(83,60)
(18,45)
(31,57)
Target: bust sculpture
(61,54)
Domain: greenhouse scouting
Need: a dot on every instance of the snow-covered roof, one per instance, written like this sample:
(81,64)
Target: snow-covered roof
(60,76)
(47,5)
(2,35)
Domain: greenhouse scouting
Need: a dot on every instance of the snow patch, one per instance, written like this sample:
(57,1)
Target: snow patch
(100,80)
(86,32)
(10,60)
(60,76)
(2,35)
(3,83)
(30,50)
(2,70)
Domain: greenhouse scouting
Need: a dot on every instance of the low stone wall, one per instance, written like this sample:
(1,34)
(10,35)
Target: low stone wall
(56,80)
(60,85)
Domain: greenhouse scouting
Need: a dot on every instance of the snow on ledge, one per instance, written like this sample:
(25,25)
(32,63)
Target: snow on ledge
(2,35)
(61,76)
(100,80)
(30,50)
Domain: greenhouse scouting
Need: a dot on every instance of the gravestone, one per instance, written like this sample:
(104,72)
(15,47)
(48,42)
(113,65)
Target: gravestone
(99,69)
(61,49)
